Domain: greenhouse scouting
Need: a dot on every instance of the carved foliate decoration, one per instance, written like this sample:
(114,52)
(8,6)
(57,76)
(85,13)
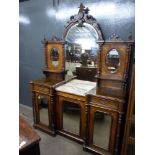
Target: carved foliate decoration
(53,39)
(83,17)
(115,37)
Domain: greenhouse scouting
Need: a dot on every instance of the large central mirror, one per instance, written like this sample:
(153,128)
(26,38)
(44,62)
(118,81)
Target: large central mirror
(81,47)
(81,35)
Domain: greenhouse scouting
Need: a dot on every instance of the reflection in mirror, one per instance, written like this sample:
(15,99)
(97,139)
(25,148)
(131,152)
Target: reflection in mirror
(71,117)
(54,55)
(112,60)
(102,128)
(80,40)
(43,109)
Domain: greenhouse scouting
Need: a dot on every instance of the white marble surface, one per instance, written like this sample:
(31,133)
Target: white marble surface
(78,87)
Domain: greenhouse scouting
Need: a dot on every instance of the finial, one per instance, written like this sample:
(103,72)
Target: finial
(44,40)
(87,10)
(81,7)
(130,37)
(114,37)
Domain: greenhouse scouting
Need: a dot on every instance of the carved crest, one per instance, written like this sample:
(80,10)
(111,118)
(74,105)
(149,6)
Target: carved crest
(83,17)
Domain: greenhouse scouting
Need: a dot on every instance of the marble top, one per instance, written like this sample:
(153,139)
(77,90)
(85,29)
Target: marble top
(77,87)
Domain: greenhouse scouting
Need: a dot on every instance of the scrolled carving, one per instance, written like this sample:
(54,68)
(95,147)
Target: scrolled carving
(81,18)
(53,39)
(114,37)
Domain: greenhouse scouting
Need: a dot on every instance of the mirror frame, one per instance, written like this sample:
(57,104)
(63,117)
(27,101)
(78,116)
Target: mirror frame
(39,112)
(48,45)
(93,130)
(38,121)
(80,115)
(59,106)
(80,18)
(106,58)
(113,131)
(97,103)
(51,56)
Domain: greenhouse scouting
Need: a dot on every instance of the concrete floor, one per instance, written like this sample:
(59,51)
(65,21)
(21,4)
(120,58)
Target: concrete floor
(52,145)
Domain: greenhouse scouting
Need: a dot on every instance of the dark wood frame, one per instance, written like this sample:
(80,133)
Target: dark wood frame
(124,50)
(80,18)
(114,84)
(112,106)
(111,89)
(47,91)
(60,68)
(46,87)
(54,75)
(114,116)
(75,100)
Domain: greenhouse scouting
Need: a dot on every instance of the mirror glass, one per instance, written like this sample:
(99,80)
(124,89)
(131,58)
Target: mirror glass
(43,109)
(102,128)
(54,56)
(71,117)
(112,60)
(81,47)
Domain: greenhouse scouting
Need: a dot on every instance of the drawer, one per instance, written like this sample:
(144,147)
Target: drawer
(41,89)
(106,102)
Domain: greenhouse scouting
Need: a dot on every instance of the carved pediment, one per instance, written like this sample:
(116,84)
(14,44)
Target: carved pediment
(82,17)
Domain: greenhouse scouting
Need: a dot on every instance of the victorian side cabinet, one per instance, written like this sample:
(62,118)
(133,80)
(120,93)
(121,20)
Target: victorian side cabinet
(43,97)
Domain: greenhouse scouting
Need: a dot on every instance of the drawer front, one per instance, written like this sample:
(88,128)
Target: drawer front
(41,89)
(106,103)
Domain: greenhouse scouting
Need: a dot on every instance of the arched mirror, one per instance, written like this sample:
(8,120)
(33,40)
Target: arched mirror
(112,60)
(81,47)
(54,56)
(81,34)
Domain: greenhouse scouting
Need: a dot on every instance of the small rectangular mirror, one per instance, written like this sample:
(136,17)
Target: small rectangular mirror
(102,129)
(71,117)
(43,109)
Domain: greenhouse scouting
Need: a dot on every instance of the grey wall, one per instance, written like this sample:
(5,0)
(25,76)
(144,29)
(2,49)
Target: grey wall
(39,18)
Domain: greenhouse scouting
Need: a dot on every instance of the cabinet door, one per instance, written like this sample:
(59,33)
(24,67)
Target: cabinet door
(42,107)
(71,117)
(102,128)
